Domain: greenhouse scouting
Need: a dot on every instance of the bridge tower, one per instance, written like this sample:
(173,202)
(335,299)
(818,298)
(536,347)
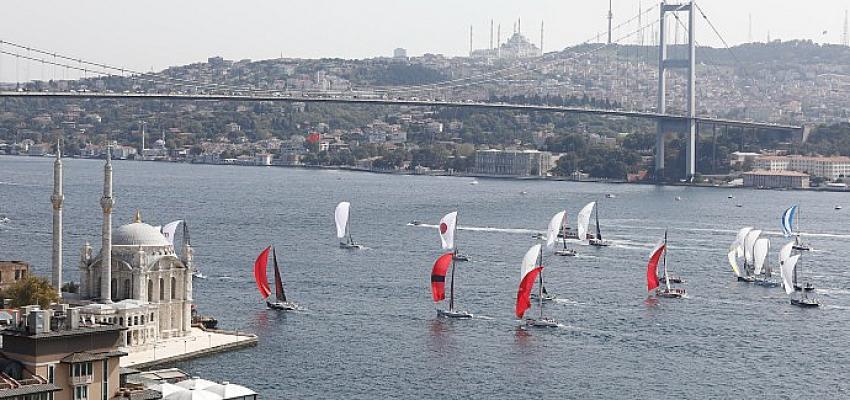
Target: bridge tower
(689,64)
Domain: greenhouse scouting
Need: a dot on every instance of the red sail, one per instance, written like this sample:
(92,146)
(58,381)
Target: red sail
(438,277)
(523,296)
(260,273)
(652,267)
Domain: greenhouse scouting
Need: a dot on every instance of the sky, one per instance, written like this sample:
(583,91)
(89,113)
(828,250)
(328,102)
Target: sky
(155,34)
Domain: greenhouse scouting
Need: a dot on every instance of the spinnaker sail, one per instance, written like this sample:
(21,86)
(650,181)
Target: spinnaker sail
(448,225)
(260,276)
(528,274)
(169,230)
(341,217)
(788,221)
(739,240)
(748,243)
(652,266)
(787,272)
(438,277)
(785,252)
(555,225)
(733,259)
(760,249)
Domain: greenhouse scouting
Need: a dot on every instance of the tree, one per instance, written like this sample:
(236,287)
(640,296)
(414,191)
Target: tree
(70,287)
(32,290)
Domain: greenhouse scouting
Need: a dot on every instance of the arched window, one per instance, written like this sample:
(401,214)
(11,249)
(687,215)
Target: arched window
(113,292)
(121,321)
(173,288)
(127,289)
(161,289)
(150,290)
(143,319)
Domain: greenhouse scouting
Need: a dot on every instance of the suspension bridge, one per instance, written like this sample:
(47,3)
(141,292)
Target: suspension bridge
(445,93)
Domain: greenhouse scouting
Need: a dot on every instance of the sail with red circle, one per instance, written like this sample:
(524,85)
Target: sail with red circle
(447,226)
(652,266)
(260,273)
(438,277)
(529,272)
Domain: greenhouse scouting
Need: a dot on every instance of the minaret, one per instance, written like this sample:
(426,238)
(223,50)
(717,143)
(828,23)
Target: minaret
(106,203)
(57,199)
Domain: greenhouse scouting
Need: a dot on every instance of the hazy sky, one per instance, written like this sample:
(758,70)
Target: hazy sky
(145,34)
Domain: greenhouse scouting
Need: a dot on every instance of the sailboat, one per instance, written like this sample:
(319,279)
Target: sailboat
(438,287)
(659,253)
(789,217)
(260,267)
(448,231)
(761,269)
(343,231)
(597,240)
(551,237)
(558,223)
(531,270)
(788,271)
(748,253)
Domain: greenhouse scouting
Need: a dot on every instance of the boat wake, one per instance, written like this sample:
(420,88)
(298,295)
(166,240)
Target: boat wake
(484,229)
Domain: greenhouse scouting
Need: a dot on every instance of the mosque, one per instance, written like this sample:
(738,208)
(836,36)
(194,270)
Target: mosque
(136,280)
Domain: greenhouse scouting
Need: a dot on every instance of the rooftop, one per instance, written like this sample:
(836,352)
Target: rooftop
(82,330)
(807,158)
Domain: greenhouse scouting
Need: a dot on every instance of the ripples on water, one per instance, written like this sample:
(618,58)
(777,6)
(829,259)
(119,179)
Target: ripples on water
(369,329)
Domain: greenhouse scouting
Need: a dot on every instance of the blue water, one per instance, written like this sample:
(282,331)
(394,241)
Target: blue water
(369,329)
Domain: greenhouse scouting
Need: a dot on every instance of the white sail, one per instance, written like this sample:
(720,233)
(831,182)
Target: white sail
(169,229)
(749,242)
(760,249)
(739,240)
(785,252)
(341,217)
(529,261)
(787,272)
(555,225)
(584,220)
(447,230)
(733,260)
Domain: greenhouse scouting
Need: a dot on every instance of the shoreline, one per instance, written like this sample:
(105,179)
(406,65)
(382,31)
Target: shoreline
(467,175)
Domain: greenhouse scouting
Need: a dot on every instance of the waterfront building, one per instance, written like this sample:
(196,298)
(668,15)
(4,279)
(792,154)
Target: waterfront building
(513,162)
(11,272)
(831,168)
(137,280)
(776,179)
(51,354)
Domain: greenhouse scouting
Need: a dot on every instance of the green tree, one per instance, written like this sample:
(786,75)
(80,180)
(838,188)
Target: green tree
(32,290)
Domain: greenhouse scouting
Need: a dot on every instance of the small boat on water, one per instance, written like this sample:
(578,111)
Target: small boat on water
(597,239)
(474,182)
(342,215)
(556,226)
(837,207)
(652,281)
(415,222)
(443,264)
(531,270)
(788,271)
(610,196)
(260,269)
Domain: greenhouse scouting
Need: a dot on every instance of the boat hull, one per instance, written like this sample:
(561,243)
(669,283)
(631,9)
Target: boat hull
(282,305)
(350,246)
(599,243)
(541,323)
(807,288)
(461,257)
(673,279)
(454,314)
(566,253)
(805,303)
(766,283)
(671,293)
(747,279)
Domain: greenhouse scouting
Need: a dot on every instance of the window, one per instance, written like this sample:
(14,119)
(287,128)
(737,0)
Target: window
(51,372)
(17,274)
(150,291)
(161,289)
(81,369)
(105,390)
(127,289)
(173,288)
(113,292)
(81,392)
(99,285)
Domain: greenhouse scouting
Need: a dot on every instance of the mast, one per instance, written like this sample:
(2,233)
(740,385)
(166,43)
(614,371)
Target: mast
(454,256)
(564,231)
(666,277)
(348,227)
(540,289)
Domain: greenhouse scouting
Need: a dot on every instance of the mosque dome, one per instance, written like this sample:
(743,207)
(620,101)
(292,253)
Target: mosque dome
(138,234)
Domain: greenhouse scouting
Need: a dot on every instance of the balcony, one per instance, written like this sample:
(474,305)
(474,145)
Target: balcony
(81,380)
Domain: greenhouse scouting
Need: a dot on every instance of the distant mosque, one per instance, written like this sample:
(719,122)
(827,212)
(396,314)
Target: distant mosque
(516,47)
(147,287)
